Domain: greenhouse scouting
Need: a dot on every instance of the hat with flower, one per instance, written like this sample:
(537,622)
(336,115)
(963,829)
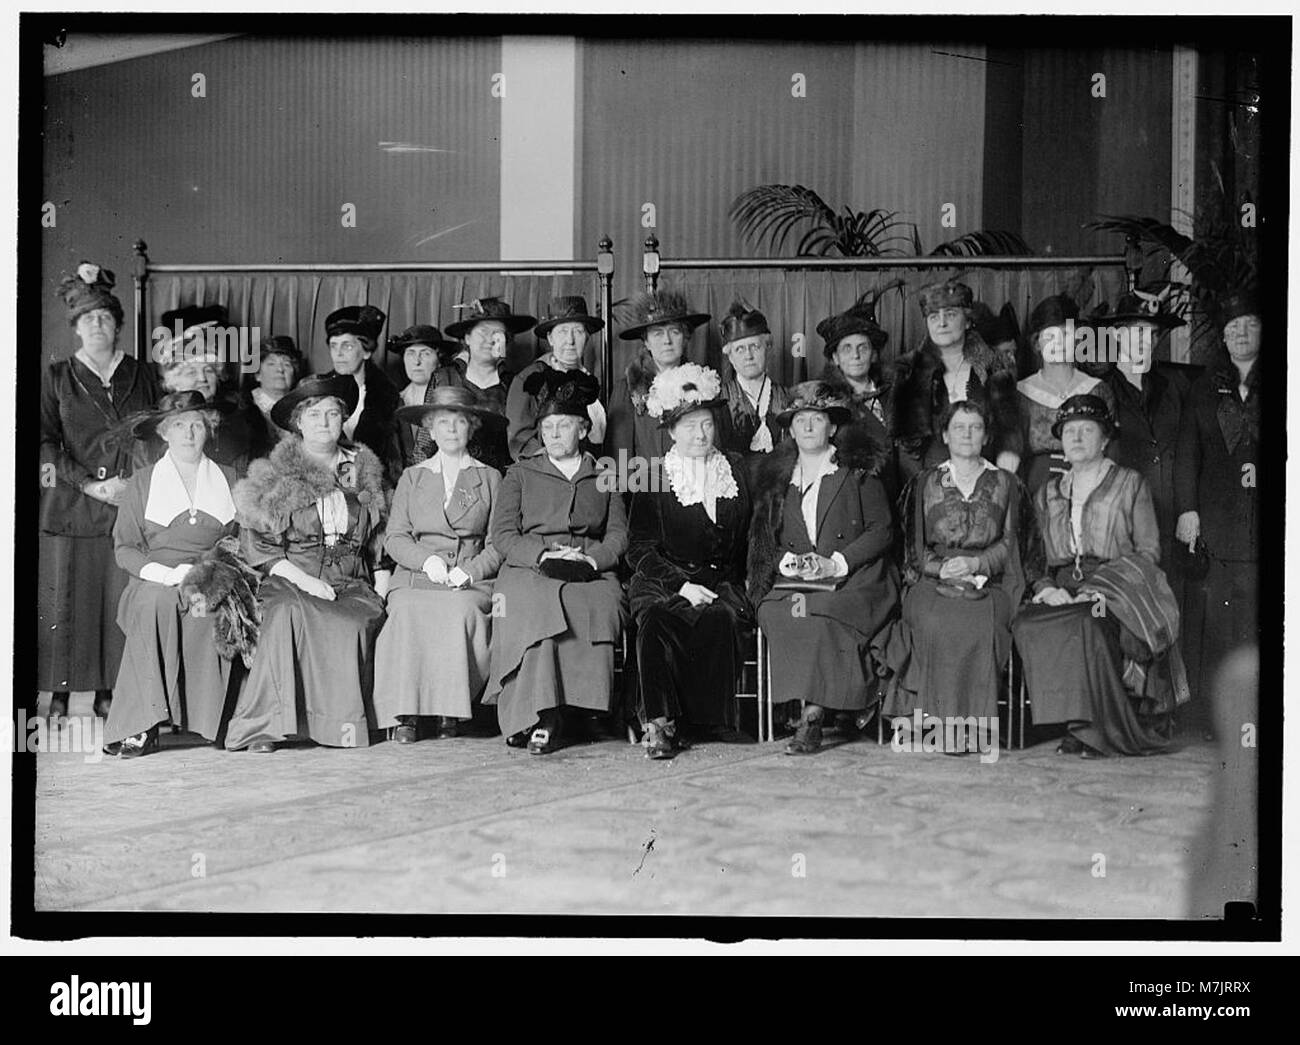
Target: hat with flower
(681,389)
(88,289)
(562,391)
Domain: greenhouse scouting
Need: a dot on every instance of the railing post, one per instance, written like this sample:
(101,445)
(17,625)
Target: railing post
(140,272)
(605,275)
(1133,260)
(650,263)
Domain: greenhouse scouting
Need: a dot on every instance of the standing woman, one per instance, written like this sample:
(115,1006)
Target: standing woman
(424,350)
(566,327)
(278,371)
(486,328)
(1042,393)
(172,516)
(820,570)
(84,469)
(663,322)
(752,399)
(353,334)
(687,549)
(561,528)
(312,520)
(438,536)
(952,363)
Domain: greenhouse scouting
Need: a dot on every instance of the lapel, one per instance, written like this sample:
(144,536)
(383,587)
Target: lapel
(464,496)
(826,494)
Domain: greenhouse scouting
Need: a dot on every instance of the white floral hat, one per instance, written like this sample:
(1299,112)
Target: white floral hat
(680,390)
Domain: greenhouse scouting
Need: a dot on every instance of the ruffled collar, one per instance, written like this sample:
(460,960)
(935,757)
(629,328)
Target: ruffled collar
(703,483)
(168,499)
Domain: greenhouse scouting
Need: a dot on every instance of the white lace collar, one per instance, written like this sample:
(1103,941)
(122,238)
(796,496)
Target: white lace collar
(168,499)
(696,482)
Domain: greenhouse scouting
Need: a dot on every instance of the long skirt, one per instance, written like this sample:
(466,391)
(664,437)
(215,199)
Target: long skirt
(1074,670)
(79,585)
(1220,614)
(948,654)
(432,657)
(312,676)
(552,647)
(819,659)
(171,671)
(688,660)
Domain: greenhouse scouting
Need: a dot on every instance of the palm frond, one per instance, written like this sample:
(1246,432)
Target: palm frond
(983,243)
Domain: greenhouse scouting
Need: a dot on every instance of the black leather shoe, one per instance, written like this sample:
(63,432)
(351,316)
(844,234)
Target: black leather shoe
(406,733)
(1090,752)
(520,739)
(141,744)
(447,728)
(807,738)
(543,741)
(113,750)
(58,706)
(262,747)
(103,701)
(1069,745)
(658,742)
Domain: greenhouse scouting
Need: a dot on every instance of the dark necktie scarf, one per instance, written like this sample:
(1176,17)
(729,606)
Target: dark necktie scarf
(424,446)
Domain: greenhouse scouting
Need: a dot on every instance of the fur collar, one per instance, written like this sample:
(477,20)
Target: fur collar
(287,480)
(639,375)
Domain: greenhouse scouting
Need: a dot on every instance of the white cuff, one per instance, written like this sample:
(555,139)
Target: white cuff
(786,565)
(156,572)
(841,566)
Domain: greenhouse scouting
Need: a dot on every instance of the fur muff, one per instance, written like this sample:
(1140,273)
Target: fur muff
(860,452)
(221,583)
(920,394)
(288,480)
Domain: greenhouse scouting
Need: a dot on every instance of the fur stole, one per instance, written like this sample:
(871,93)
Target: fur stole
(639,375)
(221,583)
(861,452)
(288,480)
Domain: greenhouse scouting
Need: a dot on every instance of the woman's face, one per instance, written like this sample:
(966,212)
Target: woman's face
(666,342)
(693,433)
(275,375)
(854,356)
(97,330)
(420,361)
(348,353)
(749,356)
(1241,335)
(1083,441)
(1052,346)
(947,326)
(567,341)
(812,430)
(195,376)
(561,434)
(487,342)
(185,435)
(450,430)
(965,435)
(321,423)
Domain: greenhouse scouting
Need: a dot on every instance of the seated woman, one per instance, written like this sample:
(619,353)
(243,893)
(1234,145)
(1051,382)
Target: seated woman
(561,528)
(1104,619)
(820,572)
(438,537)
(1042,393)
(753,400)
(312,518)
(171,515)
(566,328)
(965,579)
(687,549)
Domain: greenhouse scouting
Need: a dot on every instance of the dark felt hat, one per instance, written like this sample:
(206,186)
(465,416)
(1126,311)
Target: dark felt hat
(342,387)
(815,395)
(663,306)
(171,405)
(90,288)
(423,334)
(948,294)
(568,310)
(360,320)
(995,329)
(858,318)
(451,397)
(1083,408)
(1136,307)
(741,322)
(282,345)
(1055,311)
(562,391)
(1234,306)
(191,316)
(481,309)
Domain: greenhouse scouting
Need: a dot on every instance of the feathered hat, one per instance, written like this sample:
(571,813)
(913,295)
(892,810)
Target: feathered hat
(858,318)
(646,310)
(481,309)
(741,322)
(88,289)
(562,391)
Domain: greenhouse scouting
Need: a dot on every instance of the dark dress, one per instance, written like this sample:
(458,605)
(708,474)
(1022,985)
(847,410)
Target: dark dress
(869,425)
(821,642)
(632,431)
(1095,666)
(489,443)
(948,653)
(521,409)
(170,671)
(79,582)
(377,426)
(739,422)
(688,657)
(1042,456)
(553,641)
(1216,474)
(313,671)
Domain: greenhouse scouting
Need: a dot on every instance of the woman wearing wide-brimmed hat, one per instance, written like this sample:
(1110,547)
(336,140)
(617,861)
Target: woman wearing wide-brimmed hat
(951,364)
(171,519)
(820,568)
(561,529)
(663,322)
(1042,393)
(424,352)
(84,470)
(687,550)
(442,587)
(312,520)
(565,328)
(353,334)
(1098,642)
(486,328)
(752,399)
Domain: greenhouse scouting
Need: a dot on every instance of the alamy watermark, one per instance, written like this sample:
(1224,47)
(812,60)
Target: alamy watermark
(83,735)
(924,732)
(1131,345)
(229,346)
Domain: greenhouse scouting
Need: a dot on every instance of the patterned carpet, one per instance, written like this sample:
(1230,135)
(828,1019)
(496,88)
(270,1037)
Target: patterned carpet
(469,826)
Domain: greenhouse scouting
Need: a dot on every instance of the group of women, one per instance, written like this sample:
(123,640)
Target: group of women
(332,559)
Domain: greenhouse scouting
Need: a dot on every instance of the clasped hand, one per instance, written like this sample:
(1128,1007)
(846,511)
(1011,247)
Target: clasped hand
(436,570)
(959,567)
(569,551)
(1060,597)
(697,594)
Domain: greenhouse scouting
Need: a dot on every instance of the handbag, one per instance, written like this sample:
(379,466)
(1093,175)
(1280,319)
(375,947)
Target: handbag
(570,571)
